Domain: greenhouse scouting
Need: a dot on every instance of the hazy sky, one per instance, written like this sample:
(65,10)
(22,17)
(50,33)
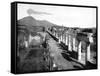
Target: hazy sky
(61,15)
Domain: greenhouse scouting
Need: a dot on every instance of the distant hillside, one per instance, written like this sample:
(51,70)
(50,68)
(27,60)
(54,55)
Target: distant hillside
(30,21)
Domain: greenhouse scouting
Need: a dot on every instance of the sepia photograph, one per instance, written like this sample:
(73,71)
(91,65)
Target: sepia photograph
(54,37)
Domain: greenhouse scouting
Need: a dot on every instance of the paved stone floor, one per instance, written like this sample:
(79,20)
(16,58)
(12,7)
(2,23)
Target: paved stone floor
(59,60)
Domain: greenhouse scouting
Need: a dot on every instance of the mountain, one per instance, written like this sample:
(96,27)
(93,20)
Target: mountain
(30,21)
(45,23)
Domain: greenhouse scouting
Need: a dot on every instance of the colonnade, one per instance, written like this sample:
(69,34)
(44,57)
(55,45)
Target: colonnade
(73,44)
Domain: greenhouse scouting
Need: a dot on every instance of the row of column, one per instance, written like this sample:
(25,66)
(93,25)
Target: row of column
(75,45)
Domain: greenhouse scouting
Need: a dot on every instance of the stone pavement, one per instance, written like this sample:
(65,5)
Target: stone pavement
(59,60)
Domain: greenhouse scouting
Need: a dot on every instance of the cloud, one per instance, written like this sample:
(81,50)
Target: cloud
(31,11)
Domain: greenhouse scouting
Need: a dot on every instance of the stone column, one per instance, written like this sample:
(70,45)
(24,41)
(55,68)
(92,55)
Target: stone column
(88,53)
(74,49)
(82,57)
(61,37)
(70,43)
(66,42)
(79,51)
(90,38)
(76,45)
(84,52)
(56,35)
